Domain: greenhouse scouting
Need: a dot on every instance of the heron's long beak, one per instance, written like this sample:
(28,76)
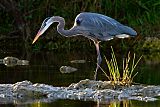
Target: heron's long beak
(45,25)
(36,38)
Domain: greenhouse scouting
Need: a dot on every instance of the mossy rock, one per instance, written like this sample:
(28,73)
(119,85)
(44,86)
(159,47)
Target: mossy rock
(151,44)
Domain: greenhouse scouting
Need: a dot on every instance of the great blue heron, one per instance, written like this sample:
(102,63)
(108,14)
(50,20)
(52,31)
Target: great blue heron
(94,26)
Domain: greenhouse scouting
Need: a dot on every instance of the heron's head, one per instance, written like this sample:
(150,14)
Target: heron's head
(46,23)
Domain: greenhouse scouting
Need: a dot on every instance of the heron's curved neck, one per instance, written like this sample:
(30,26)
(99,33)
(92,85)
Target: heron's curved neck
(60,26)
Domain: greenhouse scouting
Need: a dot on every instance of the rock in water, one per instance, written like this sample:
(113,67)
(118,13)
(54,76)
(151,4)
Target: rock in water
(10,61)
(13,61)
(27,92)
(78,61)
(67,69)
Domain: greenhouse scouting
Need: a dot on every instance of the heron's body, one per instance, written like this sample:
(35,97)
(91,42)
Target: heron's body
(102,27)
(94,26)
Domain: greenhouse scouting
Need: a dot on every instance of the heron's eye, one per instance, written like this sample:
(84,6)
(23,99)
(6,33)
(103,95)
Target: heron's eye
(46,19)
(45,22)
(78,21)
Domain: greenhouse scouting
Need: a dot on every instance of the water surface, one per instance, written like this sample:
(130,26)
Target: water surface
(44,68)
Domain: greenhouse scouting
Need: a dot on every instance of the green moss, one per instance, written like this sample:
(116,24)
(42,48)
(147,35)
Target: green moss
(151,44)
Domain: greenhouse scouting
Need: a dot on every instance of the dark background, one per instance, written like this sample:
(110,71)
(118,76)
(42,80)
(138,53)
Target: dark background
(21,19)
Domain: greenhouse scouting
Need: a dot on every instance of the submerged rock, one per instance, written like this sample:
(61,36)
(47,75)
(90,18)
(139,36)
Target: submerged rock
(27,92)
(13,61)
(67,69)
(10,61)
(78,61)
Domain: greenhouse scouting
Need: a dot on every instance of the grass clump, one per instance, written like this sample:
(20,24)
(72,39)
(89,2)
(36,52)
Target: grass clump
(129,64)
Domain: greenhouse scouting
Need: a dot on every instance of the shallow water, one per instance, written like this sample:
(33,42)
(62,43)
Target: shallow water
(78,103)
(44,68)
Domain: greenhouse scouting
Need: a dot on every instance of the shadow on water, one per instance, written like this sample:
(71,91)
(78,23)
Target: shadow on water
(44,68)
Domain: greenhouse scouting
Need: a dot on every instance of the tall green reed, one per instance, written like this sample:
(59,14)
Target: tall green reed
(129,66)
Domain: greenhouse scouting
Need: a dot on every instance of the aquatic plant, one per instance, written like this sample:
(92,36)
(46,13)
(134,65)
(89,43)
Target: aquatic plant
(129,64)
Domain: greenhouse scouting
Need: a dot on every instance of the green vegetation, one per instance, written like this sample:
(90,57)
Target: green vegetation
(142,15)
(151,44)
(128,67)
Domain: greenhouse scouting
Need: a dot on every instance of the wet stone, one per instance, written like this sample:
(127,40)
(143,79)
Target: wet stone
(27,89)
(78,61)
(67,69)
(27,92)
(13,61)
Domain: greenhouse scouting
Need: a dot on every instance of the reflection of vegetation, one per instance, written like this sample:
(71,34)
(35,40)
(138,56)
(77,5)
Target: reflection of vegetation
(37,104)
(127,77)
(152,58)
(125,103)
(149,69)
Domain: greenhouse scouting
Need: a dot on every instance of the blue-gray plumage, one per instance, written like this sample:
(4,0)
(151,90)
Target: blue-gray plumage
(94,26)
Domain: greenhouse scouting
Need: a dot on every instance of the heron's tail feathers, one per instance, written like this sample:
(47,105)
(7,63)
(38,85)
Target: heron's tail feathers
(128,31)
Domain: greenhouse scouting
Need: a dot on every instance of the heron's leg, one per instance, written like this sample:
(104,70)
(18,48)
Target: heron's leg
(99,59)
